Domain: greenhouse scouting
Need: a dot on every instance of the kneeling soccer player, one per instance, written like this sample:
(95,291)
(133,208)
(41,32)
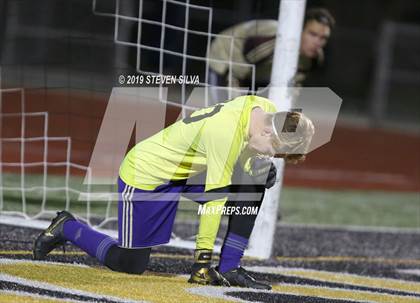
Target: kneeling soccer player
(225,142)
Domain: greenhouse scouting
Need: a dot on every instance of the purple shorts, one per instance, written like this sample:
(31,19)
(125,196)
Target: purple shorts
(146,218)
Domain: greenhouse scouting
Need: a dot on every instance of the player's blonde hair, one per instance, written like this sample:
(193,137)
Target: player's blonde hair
(293,133)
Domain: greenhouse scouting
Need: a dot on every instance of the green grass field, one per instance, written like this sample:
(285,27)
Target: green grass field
(297,206)
(350,207)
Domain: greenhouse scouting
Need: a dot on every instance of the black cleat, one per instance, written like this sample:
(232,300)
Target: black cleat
(240,277)
(52,237)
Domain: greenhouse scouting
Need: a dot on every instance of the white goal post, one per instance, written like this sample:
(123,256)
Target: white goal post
(286,53)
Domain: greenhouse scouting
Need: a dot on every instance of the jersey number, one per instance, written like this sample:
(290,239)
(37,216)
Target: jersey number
(215,110)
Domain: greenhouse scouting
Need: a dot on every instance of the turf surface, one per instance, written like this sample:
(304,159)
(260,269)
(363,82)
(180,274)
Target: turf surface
(310,265)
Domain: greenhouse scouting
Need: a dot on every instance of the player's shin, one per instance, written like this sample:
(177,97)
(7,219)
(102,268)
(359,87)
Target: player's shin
(89,240)
(232,252)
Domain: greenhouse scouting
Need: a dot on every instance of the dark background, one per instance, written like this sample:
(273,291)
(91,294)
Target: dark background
(50,43)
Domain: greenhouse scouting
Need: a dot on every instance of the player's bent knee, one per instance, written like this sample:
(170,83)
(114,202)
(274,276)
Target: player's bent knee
(131,261)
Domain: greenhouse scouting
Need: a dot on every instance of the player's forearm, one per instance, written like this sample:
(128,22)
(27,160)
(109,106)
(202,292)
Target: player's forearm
(209,224)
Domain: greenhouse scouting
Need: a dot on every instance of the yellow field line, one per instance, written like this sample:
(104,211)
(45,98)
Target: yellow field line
(80,253)
(283,259)
(349,259)
(334,293)
(384,283)
(28,252)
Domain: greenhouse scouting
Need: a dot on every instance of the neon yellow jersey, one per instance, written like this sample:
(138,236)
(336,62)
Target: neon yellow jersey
(211,138)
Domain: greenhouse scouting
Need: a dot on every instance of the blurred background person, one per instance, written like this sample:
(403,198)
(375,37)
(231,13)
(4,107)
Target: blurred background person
(253,43)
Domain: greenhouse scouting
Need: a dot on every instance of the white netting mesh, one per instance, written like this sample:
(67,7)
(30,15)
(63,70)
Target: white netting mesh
(187,59)
(26,184)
